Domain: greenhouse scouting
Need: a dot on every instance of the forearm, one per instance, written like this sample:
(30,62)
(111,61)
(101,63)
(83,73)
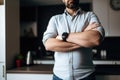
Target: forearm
(88,38)
(54,44)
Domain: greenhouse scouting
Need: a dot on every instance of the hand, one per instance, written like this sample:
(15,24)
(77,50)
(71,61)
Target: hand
(59,37)
(91,26)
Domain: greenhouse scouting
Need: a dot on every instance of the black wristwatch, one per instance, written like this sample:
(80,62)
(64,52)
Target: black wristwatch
(64,36)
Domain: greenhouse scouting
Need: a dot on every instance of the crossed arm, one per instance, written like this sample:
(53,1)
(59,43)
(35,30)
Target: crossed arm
(89,37)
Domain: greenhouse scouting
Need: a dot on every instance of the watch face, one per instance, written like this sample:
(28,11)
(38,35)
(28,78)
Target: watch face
(115,4)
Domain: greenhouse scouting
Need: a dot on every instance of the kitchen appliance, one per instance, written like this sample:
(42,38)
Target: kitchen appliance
(29,59)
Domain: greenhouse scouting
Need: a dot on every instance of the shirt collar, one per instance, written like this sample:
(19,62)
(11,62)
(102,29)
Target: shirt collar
(77,12)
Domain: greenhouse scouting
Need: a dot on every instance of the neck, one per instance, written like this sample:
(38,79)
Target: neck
(71,11)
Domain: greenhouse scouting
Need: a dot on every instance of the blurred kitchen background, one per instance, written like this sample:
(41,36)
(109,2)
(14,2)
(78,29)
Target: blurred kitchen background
(34,17)
(23,23)
(33,22)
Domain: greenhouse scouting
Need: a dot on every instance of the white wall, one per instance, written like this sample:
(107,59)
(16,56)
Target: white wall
(100,7)
(109,18)
(114,22)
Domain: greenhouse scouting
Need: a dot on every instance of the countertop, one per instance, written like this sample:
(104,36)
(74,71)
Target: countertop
(33,69)
(107,69)
(103,67)
(47,69)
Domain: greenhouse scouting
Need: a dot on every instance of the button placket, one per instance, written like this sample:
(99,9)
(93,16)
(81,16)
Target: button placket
(71,64)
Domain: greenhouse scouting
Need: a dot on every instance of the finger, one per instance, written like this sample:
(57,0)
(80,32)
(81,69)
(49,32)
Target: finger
(93,23)
(96,24)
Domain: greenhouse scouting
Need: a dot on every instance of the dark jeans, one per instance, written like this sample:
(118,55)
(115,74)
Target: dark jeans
(55,77)
(90,77)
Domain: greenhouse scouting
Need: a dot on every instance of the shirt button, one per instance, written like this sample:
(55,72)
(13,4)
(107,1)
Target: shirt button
(70,61)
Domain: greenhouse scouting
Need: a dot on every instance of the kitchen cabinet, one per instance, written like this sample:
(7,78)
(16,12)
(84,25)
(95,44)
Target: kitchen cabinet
(2,33)
(28,13)
(28,29)
(2,71)
(1,2)
(108,77)
(108,17)
(33,72)
(12,31)
(108,71)
(8,34)
(2,42)
(21,76)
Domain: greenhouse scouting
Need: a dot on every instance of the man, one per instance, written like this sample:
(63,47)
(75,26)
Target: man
(72,35)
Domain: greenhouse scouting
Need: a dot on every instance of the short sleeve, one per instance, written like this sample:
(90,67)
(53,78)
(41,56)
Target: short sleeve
(93,18)
(51,31)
